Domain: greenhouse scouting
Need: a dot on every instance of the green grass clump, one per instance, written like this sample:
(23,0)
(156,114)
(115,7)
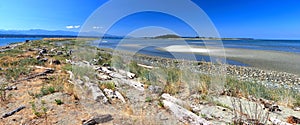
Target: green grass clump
(44,91)
(80,71)
(148,99)
(15,73)
(59,102)
(11,53)
(104,58)
(107,85)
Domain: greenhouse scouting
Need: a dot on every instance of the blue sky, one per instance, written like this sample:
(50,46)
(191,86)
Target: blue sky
(233,18)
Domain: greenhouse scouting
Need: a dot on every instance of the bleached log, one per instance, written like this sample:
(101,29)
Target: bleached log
(47,71)
(13,112)
(128,74)
(170,98)
(119,95)
(145,66)
(185,115)
(97,94)
(105,70)
(278,122)
(117,75)
(135,84)
(114,94)
(103,77)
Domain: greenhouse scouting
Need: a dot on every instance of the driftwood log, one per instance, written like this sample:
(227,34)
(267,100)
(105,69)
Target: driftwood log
(13,112)
(135,84)
(114,94)
(185,115)
(47,71)
(293,120)
(99,119)
(278,122)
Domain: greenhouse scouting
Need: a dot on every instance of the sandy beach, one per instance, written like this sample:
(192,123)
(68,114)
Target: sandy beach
(263,59)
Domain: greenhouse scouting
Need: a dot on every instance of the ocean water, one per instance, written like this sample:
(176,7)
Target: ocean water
(7,41)
(148,46)
(292,46)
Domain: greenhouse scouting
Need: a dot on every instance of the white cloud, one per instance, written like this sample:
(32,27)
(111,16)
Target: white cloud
(97,27)
(73,27)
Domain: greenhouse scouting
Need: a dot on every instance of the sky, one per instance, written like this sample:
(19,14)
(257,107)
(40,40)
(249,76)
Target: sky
(262,19)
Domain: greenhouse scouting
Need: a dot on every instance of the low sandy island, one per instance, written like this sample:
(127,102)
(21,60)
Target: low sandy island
(263,59)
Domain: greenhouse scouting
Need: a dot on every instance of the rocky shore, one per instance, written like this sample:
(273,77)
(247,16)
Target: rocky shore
(49,85)
(252,74)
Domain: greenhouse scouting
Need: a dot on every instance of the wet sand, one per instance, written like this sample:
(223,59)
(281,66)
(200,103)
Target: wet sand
(263,59)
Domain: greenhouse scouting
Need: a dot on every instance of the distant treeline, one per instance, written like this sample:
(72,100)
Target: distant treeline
(53,36)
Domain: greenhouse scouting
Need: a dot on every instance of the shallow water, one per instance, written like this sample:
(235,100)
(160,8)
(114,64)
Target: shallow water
(7,41)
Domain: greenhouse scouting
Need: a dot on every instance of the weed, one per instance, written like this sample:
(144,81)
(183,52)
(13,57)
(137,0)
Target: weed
(59,102)
(80,71)
(161,104)
(107,85)
(3,94)
(14,73)
(44,91)
(148,99)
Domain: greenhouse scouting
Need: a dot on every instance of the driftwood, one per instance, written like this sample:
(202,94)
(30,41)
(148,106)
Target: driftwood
(47,71)
(145,66)
(168,97)
(293,120)
(135,84)
(128,74)
(103,77)
(185,115)
(278,122)
(97,94)
(12,112)
(99,119)
(114,94)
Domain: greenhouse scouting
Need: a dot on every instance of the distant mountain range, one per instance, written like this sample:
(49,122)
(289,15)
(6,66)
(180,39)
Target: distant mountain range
(41,32)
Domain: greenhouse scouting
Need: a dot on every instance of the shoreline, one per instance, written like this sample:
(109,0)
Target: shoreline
(263,59)
(245,73)
(66,83)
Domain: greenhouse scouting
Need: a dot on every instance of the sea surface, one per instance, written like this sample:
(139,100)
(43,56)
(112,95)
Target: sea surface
(7,41)
(149,46)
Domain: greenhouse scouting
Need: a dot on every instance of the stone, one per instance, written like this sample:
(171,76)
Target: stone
(38,57)
(44,59)
(155,89)
(59,53)
(56,62)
